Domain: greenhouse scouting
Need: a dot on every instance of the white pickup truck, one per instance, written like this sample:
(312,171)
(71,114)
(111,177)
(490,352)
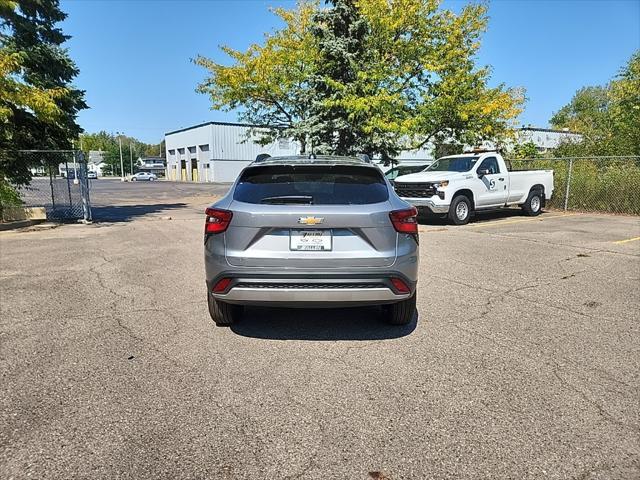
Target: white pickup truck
(458,185)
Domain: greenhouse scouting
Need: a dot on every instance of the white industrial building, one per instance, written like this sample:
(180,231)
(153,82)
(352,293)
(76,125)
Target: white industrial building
(218,151)
(546,138)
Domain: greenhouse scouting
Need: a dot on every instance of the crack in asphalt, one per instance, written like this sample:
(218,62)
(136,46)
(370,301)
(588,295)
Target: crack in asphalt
(555,244)
(499,296)
(556,368)
(117,316)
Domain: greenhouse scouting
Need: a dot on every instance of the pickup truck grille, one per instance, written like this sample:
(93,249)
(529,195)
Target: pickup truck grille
(415,190)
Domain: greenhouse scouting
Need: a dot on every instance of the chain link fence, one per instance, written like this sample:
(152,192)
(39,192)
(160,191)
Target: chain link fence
(59,187)
(591,184)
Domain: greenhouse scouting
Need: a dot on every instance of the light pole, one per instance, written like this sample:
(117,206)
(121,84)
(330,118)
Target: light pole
(121,163)
(131,158)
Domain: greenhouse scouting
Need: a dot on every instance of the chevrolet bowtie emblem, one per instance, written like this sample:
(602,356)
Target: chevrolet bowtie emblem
(310,220)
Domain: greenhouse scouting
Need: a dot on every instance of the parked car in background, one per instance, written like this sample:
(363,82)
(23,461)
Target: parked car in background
(311,232)
(70,174)
(460,185)
(92,175)
(143,176)
(400,170)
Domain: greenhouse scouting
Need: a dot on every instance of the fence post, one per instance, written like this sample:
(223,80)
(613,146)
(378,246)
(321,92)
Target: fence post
(566,193)
(84,186)
(53,197)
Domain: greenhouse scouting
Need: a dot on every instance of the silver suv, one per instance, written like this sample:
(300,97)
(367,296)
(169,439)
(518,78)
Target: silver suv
(311,232)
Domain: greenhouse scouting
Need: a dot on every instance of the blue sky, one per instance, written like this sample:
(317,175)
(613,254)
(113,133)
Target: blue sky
(134,55)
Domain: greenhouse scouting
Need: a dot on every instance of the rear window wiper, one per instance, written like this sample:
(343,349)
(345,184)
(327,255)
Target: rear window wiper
(284,199)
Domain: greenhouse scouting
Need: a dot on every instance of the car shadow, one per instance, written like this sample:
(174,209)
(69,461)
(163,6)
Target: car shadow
(478,217)
(319,324)
(126,213)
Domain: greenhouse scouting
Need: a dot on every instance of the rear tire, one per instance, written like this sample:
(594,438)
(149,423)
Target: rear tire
(533,205)
(223,314)
(134,179)
(460,210)
(401,313)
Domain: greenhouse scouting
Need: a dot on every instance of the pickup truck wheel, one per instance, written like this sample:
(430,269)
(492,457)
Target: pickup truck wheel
(460,210)
(401,313)
(223,314)
(533,205)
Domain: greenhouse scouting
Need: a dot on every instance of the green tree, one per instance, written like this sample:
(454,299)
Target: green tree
(15,94)
(37,63)
(28,30)
(525,150)
(374,76)
(606,116)
(625,106)
(417,82)
(340,39)
(108,143)
(269,83)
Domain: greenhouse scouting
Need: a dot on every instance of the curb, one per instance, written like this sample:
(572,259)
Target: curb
(19,224)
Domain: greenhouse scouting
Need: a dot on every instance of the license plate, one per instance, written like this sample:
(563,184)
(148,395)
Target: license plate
(314,240)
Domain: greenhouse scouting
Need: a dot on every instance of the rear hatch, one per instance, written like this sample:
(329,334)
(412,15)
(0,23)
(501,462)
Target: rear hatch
(311,217)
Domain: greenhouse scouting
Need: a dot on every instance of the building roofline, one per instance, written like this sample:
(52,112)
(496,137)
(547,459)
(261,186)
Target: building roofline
(249,125)
(224,124)
(551,130)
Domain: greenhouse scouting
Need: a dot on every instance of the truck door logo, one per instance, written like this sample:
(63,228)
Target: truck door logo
(492,184)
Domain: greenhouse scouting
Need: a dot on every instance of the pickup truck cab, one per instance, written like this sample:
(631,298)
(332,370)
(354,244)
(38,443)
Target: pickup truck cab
(459,185)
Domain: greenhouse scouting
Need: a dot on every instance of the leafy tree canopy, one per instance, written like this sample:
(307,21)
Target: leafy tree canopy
(269,82)
(109,144)
(38,103)
(607,116)
(374,76)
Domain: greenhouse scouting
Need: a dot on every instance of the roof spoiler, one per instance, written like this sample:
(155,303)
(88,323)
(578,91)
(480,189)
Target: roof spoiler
(261,157)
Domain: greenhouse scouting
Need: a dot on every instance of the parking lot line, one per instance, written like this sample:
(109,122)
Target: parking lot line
(520,220)
(627,240)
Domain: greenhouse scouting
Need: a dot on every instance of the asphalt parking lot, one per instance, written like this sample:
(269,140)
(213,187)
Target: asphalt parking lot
(524,361)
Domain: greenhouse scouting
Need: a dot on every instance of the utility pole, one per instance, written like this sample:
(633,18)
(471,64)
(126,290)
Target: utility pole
(131,157)
(121,162)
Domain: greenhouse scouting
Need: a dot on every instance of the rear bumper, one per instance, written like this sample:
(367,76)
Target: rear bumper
(288,290)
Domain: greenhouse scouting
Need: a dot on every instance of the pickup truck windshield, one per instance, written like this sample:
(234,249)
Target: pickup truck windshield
(453,164)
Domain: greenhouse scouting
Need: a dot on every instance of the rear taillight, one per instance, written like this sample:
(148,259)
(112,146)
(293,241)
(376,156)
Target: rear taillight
(405,221)
(400,285)
(221,285)
(217,220)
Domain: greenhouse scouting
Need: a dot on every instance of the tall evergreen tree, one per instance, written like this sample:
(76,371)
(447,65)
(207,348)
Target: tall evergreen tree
(340,34)
(28,29)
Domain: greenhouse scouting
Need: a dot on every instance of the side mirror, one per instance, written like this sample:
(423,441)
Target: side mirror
(482,172)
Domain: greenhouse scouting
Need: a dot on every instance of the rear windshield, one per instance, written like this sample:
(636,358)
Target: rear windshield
(311,185)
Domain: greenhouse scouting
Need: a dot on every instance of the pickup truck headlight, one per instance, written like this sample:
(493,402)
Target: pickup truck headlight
(441,184)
